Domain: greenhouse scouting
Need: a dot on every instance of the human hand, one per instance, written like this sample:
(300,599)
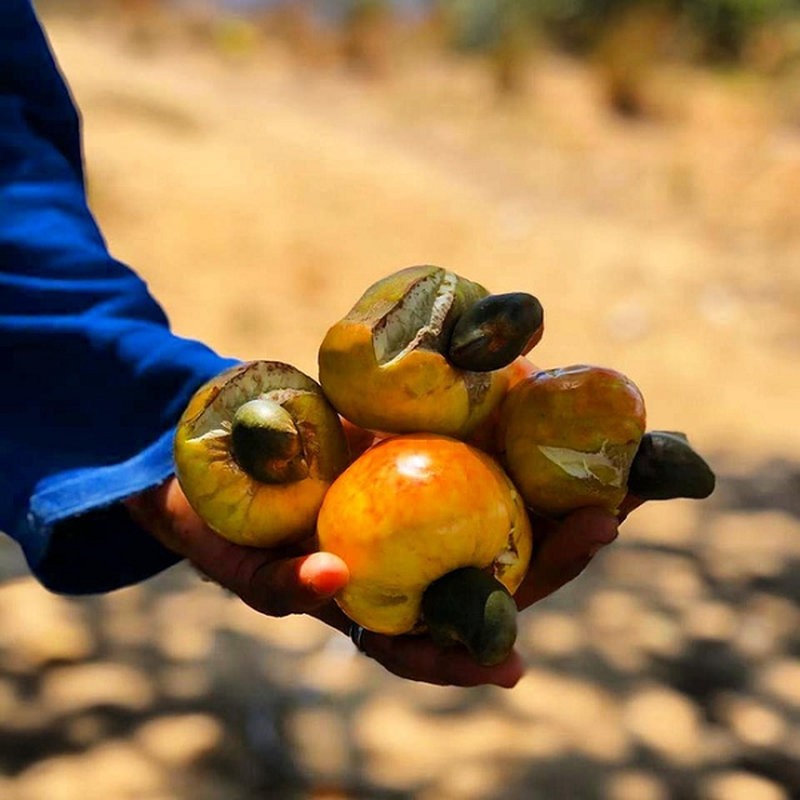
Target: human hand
(275,582)
(294,580)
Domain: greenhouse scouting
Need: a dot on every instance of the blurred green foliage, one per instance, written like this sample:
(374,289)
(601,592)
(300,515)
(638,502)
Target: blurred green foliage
(718,30)
(726,25)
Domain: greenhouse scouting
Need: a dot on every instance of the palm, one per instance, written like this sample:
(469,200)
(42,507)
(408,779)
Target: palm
(294,580)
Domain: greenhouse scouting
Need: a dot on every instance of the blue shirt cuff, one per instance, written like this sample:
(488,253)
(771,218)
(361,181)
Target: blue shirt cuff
(80,539)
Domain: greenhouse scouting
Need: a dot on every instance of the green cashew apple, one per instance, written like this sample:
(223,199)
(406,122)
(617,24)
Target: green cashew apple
(255,451)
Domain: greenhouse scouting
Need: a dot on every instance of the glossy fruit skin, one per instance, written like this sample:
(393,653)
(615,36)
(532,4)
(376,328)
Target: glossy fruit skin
(568,437)
(488,435)
(411,509)
(233,503)
(418,389)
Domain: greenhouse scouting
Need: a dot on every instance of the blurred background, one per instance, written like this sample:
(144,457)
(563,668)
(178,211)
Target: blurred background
(633,163)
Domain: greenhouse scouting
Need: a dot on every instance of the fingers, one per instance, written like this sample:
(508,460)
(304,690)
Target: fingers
(270,581)
(277,582)
(289,581)
(565,552)
(418,658)
(292,585)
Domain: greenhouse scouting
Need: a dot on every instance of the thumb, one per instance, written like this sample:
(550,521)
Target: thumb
(295,585)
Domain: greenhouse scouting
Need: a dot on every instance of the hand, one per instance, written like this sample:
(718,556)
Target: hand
(292,580)
(563,550)
(275,582)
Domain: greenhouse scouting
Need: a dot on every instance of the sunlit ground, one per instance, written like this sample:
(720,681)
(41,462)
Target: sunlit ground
(259,196)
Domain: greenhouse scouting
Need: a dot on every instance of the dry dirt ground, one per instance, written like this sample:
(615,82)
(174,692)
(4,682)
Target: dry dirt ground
(259,198)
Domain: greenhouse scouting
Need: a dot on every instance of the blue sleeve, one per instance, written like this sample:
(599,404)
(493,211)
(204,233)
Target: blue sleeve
(92,381)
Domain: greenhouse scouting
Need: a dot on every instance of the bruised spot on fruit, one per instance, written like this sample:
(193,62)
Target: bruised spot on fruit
(601,466)
(478,386)
(507,558)
(385,598)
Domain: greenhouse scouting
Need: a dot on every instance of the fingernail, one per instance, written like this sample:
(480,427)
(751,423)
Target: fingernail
(324,574)
(326,585)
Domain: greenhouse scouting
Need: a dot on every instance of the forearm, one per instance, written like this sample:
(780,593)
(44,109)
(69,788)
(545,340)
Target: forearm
(93,379)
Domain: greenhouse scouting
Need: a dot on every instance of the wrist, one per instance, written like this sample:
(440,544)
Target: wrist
(154,510)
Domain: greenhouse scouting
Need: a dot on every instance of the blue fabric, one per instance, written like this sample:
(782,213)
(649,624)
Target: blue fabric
(92,381)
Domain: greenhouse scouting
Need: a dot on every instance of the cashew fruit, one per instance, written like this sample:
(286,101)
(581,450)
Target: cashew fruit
(568,437)
(255,451)
(414,509)
(423,350)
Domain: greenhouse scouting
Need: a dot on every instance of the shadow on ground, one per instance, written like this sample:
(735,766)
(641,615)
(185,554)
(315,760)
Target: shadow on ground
(670,670)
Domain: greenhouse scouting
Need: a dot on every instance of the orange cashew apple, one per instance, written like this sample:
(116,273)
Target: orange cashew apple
(435,536)
(568,437)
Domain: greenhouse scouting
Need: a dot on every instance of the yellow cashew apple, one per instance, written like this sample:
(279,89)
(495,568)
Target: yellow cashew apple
(390,363)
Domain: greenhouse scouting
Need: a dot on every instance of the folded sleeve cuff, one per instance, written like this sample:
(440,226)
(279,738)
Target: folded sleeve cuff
(80,539)
(77,536)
